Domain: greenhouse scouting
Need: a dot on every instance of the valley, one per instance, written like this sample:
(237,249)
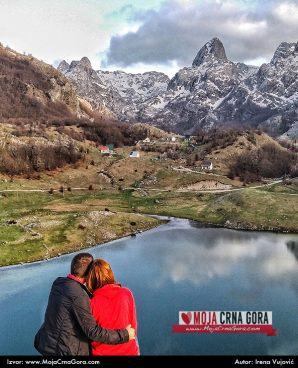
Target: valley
(77,206)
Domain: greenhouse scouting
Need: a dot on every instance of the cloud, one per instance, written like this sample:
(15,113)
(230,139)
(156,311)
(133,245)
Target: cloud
(146,35)
(66,29)
(176,31)
(55,29)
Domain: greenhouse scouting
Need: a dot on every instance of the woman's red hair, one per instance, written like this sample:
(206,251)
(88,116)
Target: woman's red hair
(100,274)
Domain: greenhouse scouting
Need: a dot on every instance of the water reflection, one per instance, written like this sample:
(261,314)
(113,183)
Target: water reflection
(199,257)
(292,245)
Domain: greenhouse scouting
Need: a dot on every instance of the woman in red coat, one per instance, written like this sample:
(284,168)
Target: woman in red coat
(112,306)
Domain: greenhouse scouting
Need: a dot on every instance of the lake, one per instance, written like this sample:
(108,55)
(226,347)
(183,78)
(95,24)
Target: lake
(176,267)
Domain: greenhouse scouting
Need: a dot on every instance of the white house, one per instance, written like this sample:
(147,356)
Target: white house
(207,165)
(174,139)
(146,140)
(134,154)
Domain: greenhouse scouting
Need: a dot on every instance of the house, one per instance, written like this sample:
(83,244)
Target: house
(104,149)
(134,154)
(174,139)
(190,138)
(146,140)
(207,165)
(295,142)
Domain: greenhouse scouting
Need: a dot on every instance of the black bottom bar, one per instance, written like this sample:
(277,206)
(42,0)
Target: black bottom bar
(149,361)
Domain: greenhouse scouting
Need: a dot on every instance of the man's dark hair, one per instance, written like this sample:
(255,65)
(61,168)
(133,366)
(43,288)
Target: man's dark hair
(80,264)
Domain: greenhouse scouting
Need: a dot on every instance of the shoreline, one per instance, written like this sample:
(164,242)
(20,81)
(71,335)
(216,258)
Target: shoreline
(251,227)
(44,235)
(79,249)
(166,219)
(232,226)
(264,228)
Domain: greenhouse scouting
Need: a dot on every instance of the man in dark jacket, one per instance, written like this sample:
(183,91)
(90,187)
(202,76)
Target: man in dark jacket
(69,325)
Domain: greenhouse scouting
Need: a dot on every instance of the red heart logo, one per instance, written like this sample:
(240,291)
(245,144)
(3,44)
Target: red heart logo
(186,317)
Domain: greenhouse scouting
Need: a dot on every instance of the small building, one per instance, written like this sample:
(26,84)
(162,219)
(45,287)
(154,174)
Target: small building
(134,154)
(207,165)
(104,149)
(295,142)
(173,139)
(146,140)
(187,137)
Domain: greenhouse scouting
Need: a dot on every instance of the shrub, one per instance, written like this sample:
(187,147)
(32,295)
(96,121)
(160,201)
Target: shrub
(32,157)
(268,161)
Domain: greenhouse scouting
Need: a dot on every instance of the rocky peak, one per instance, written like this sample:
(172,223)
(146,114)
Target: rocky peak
(85,62)
(210,52)
(63,66)
(285,50)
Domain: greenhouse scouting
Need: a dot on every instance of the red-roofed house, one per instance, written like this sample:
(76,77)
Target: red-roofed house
(104,149)
(295,142)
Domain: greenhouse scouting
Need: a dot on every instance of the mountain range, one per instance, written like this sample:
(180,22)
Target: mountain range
(212,91)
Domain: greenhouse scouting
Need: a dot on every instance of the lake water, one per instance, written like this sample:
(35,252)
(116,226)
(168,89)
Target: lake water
(177,266)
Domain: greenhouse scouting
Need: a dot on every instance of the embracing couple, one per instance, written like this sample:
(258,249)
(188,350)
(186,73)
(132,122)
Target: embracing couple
(88,313)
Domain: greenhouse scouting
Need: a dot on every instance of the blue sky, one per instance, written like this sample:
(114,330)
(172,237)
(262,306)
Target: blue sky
(142,35)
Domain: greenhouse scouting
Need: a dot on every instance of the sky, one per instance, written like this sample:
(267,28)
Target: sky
(143,35)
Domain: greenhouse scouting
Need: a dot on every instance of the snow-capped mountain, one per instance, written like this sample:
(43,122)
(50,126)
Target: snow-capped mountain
(122,93)
(195,92)
(214,90)
(269,97)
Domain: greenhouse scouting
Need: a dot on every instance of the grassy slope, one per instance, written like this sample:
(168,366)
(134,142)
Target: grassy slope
(49,225)
(248,209)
